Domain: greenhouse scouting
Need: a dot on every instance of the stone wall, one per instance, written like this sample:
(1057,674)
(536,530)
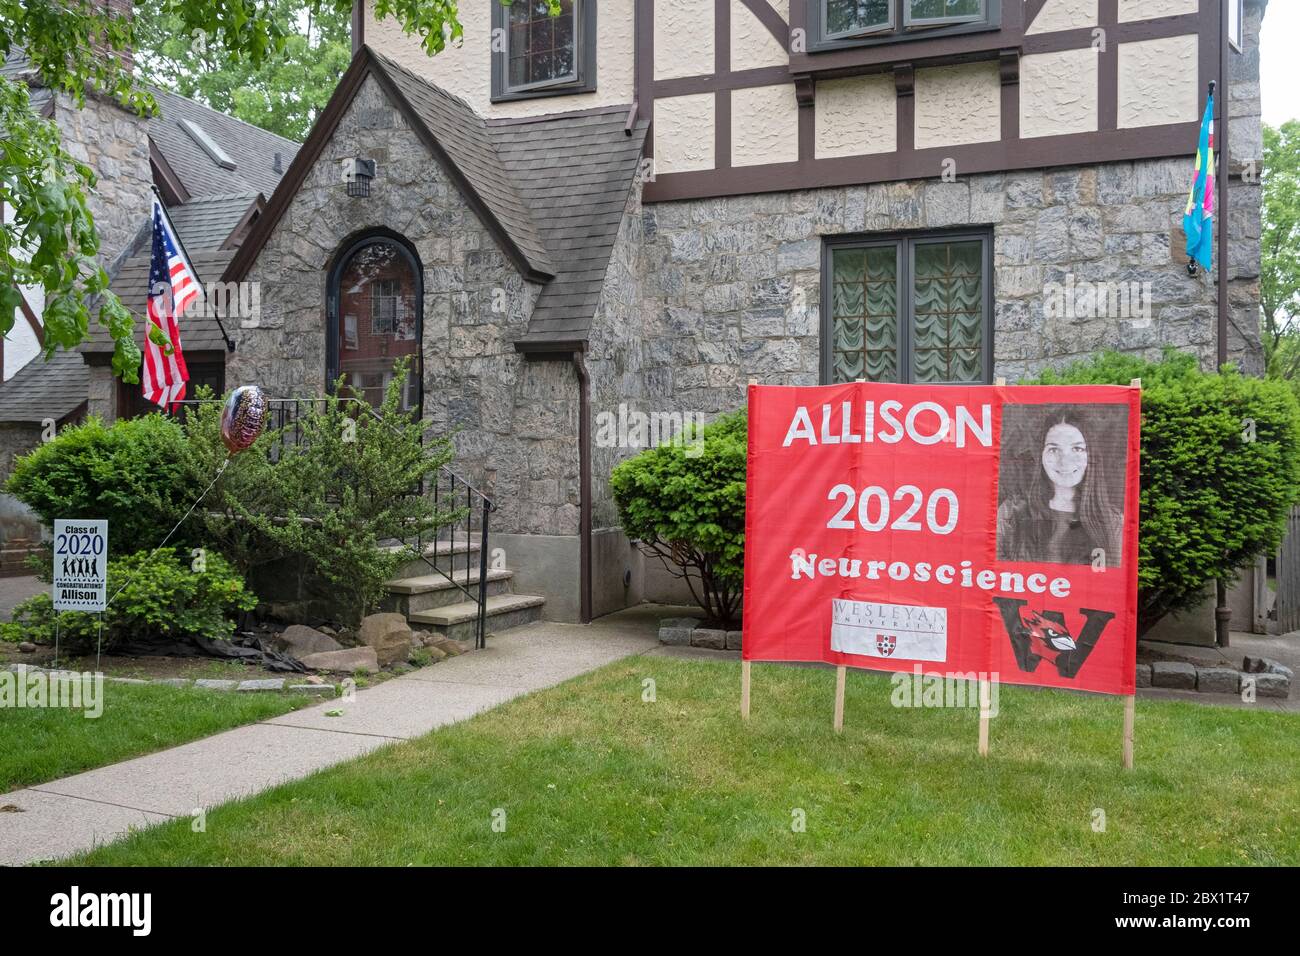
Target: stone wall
(115,144)
(615,359)
(19,526)
(101,400)
(733,284)
(16,439)
(515,422)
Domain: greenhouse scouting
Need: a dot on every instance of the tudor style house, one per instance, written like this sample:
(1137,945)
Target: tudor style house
(643,204)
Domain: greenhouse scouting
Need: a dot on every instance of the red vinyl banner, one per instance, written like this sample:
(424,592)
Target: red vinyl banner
(956,529)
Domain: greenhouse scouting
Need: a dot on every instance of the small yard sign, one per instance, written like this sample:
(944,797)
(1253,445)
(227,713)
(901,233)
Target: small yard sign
(80,564)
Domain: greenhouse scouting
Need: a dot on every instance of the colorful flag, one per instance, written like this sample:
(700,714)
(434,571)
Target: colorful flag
(1198,222)
(173,285)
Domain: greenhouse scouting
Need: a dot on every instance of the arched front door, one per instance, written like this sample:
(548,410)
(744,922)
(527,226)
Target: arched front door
(375,317)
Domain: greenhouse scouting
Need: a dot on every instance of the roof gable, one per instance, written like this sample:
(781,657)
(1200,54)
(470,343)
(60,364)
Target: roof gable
(453,133)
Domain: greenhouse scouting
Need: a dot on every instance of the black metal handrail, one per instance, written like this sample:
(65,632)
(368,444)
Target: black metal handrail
(477,503)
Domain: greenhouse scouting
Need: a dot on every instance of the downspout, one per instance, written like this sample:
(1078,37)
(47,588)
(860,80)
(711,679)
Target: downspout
(584,488)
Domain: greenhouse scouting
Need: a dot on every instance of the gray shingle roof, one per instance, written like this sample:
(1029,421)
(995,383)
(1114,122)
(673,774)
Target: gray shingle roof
(465,136)
(41,390)
(15,64)
(131,284)
(207,222)
(552,189)
(252,149)
(575,171)
(558,185)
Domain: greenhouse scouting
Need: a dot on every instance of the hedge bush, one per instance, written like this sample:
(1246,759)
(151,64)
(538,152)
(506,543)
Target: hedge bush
(136,473)
(176,593)
(316,509)
(1220,472)
(685,501)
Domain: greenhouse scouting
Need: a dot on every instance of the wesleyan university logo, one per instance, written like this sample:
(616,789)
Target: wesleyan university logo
(1043,635)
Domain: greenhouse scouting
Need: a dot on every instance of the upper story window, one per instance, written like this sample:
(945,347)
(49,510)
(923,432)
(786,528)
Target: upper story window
(838,23)
(537,53)
(1236,19)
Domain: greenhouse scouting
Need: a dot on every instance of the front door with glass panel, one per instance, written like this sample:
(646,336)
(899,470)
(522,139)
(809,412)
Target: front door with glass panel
(375,321)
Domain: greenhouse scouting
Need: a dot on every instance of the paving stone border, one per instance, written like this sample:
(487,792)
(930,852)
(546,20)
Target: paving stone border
(691,632)
(1268,677)
(257,685)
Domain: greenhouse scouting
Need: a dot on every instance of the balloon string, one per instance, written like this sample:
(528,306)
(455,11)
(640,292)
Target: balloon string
(220,472)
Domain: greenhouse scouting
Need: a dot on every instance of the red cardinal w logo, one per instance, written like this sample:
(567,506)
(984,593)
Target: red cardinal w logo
(1044,635)
(885,643)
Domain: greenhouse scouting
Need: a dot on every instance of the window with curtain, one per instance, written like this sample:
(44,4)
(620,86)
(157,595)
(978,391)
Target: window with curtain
(913,309)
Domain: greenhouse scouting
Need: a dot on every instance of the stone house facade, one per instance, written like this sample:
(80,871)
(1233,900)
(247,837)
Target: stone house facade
(570,221)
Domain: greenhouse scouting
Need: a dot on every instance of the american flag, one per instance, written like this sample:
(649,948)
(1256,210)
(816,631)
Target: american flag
(173,285)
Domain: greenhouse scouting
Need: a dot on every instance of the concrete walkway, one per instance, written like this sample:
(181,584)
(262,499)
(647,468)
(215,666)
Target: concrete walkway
(67,816)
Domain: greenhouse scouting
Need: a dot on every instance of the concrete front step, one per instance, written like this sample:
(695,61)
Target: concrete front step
(433,590)
(447,554)
(504,611)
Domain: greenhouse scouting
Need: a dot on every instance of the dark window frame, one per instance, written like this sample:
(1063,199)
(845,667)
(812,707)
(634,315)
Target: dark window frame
(900,31)
(333,276)
(584,31)
(202,364)
(905,244)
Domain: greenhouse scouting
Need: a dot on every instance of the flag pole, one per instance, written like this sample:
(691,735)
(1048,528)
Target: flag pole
(1222,611)
(230,343)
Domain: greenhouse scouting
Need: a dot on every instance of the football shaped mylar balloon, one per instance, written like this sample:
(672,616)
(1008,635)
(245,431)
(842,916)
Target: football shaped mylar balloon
(243,418)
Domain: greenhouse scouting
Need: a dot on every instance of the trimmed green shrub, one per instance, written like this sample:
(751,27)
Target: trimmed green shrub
(318,514)
(1220,472)
(335,497)
(135,473)
(173,594)
(685,501)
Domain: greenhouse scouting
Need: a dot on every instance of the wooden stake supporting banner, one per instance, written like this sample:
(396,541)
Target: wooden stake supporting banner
(744,690)
(839,697)
(1130,702)
(985,704)
(744,665)
(1129,710)
(1000,381)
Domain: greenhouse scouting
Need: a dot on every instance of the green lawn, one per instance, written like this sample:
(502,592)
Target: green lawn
(588,773)
(43,744)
